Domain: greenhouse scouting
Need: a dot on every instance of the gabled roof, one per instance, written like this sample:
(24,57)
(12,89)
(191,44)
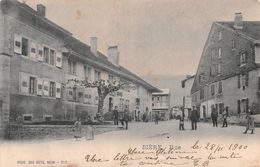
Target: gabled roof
(29,16)
(250,28)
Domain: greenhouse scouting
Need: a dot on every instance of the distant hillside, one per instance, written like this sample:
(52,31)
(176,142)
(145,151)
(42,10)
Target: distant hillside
(173,82)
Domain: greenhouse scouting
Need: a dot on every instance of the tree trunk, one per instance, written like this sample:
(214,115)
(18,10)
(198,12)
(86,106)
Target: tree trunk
(100,105)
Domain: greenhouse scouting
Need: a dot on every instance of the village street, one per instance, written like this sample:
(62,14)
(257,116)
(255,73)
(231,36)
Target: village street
(143,137)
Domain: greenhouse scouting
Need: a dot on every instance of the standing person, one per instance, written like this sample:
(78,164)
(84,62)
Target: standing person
(194,118)
(250,123)
(115,115)
(126,119)
(156,118)
(181,125)
(77,126)
(214,117)
(225,115)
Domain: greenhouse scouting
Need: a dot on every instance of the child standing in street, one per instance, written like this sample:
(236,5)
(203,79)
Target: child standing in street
(181,125)
(250,123)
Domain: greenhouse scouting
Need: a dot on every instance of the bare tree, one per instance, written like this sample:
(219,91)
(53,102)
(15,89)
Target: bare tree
(104,87)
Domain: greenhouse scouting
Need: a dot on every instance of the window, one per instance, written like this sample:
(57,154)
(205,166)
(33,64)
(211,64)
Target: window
(244,79)
(233,45)
(46,52)
(219,53)
(202,93)
(212,89)
(219,68)
(202,78)
(69,66)
(32,85)
(220,35)
(52,57)
(52,89)
(87,72)
(220,87)
(72,67)
(221,108)
(212,54)
(97,75)
(158,98)
(244,105)
(243,58)
(27,117)
(25,46)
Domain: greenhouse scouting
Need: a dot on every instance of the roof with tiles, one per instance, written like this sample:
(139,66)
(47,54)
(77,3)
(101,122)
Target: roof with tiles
(29,16)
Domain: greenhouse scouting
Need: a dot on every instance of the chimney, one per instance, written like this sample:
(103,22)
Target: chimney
(238,23)
(41,10)
(113,55)
(93,45)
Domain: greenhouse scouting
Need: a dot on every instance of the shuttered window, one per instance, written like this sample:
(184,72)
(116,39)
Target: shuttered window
(220,87)
(247,79)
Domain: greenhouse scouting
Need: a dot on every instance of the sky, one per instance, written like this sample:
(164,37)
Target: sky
(155,37)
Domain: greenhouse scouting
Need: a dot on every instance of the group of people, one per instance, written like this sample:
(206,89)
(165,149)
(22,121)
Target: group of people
(214,117)
(122,117)
(194,118)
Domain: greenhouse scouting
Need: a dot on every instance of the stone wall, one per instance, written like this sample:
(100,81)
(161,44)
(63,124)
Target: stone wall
(32,132)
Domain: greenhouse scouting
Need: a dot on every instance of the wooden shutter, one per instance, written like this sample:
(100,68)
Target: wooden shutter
(238,81)
(238,107)
(17,44)
(46,85)
(33,50)
(247,78)
(59,59)
(258,83)
(40,53)
(58,90)
(247,105)
(69,92)
(24,83)
(39,86)
(246,57)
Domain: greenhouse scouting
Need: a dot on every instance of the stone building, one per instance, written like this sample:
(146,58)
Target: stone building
(228,72)
(161,104)
(37,56)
